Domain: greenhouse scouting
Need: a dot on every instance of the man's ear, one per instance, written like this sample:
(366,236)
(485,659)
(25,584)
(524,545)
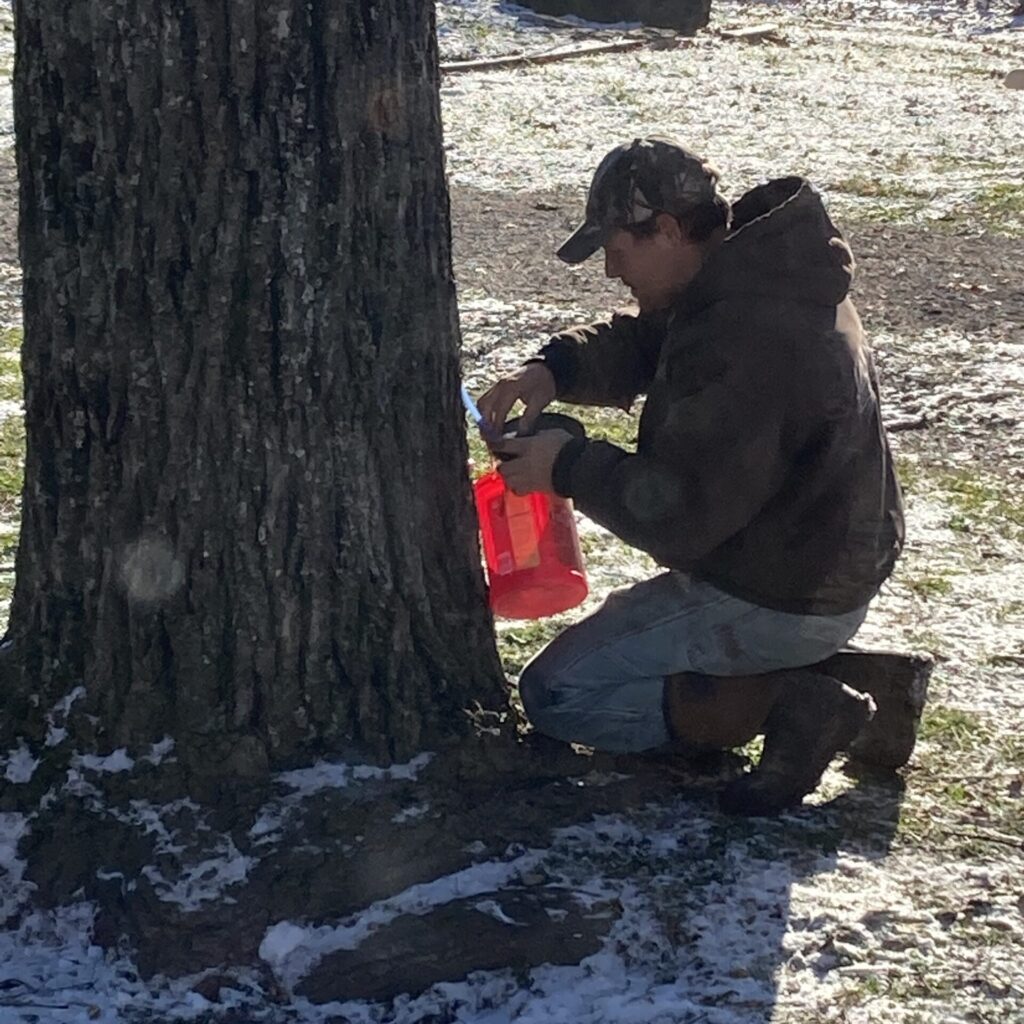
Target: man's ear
(670,229)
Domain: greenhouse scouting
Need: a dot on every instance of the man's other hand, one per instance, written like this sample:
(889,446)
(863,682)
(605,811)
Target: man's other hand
(532,460)
(533,385)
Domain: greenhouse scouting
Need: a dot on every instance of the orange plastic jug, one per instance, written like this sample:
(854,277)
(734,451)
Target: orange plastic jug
(534,563)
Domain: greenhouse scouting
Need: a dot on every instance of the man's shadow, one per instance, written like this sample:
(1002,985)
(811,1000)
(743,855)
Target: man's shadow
(748,935)
(643,899)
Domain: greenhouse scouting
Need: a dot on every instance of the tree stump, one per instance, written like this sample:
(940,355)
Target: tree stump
(685,16)
(899,685)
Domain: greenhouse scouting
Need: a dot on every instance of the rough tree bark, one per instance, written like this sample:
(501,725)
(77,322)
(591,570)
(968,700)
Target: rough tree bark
(246,517)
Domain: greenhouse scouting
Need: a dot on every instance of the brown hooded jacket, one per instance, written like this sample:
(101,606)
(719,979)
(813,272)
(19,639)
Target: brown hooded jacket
(762,464)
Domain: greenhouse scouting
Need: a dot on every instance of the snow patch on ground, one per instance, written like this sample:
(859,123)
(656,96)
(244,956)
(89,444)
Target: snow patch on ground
(51,972)
(335,775)
(411,813)
(204,882)
(194,865)
(13,889)
(328,775)
(19,766)
(118,761)
(56,720)
(160,751)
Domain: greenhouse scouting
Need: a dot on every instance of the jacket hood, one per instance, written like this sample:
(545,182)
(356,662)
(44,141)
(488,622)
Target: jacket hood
(781,244)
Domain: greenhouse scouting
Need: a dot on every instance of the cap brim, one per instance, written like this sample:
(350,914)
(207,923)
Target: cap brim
(582,243)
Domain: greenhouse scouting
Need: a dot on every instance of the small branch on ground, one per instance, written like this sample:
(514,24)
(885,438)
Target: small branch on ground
(907,423)
(519,60)
(988,836)
(754,34)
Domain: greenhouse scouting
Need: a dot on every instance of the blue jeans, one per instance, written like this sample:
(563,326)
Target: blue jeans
(600,682)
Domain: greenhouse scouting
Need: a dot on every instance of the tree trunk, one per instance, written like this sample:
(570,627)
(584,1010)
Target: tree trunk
(246,510)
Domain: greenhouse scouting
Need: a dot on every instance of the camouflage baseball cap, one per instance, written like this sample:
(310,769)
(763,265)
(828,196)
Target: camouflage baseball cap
(634,182)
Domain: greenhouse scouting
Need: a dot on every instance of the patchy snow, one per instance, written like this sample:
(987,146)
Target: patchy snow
(411,813)
(13,890)
(326,775)
(484,28)
(194,865)
(118,761)
(271,820)
(194,884)
(493,909)
(160,751)
(57,718)
(19,765)
(337,775)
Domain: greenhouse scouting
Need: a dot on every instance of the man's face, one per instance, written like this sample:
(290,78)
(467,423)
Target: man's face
(654,267)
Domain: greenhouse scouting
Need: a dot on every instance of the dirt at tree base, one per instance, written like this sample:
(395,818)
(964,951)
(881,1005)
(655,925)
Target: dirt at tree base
(337,851)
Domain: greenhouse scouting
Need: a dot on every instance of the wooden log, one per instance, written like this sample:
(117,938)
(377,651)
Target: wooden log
(919,422)
(517,928)
(522,60)
(899,685)
(752,34)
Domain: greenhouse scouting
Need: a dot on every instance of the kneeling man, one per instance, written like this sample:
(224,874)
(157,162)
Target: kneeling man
(762,478)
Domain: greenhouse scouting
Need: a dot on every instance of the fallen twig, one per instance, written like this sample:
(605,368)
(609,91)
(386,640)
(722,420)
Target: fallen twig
(519,60)
(907,423)
(990,837)
(768,33)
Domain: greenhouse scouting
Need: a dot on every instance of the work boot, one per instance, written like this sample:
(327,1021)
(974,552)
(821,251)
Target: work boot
(898,684)
(814,717)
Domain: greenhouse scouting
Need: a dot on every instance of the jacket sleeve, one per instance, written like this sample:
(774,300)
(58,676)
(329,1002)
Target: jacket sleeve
(712,461)
(607,363)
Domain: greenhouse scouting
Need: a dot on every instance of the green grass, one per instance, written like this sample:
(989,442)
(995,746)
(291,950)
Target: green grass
(618,91)
(606,424)
(1001,207)
(12,459)
(10,365)
(518,644)
(865,187)
(952,727)
(978,500)
(932,585)
(984,500)
(997,207)
(957,798)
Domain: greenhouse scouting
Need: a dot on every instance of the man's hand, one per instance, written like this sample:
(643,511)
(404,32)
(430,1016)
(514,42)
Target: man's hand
(534,459)
(533,385)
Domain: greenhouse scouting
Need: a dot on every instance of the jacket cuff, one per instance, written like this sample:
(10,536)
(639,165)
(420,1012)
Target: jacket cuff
(561,361)
(561,471)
